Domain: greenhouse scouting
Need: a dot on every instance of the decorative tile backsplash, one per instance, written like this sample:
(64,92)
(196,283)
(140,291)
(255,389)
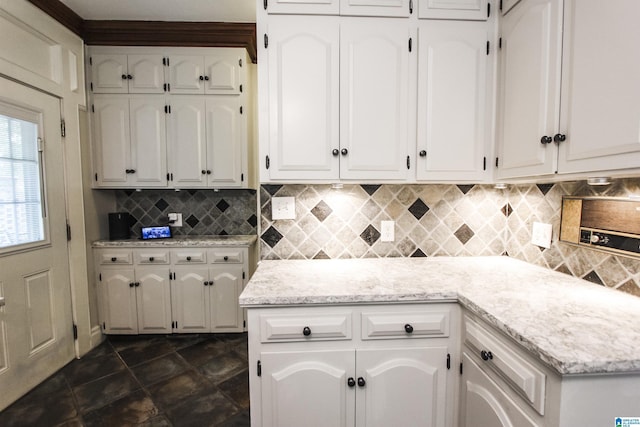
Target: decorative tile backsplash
(439,220)
(203,211)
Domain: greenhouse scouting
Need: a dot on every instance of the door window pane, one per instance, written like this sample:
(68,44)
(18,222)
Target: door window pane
(21,210)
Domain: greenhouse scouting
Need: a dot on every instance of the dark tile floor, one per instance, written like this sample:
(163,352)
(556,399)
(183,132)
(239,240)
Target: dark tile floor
(145,380)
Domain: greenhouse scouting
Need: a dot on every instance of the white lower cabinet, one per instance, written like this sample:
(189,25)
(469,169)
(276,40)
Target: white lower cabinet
(322,367)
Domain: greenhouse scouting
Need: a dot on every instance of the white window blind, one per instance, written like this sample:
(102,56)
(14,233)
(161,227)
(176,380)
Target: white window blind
(21,213)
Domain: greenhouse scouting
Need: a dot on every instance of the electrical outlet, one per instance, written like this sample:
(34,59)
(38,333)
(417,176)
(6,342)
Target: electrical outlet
(541,234)
(387,233)
(283,208)
(175,219)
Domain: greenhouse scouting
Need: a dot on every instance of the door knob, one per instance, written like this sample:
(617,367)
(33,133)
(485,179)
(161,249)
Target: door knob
(408,328)
(306,331)
(351,382)
(546,140)
(423,153)
(361,382)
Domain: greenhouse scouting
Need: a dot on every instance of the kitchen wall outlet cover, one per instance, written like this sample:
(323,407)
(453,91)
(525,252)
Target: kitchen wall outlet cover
(175,219)
(283,208)
(387,231)
(541,234)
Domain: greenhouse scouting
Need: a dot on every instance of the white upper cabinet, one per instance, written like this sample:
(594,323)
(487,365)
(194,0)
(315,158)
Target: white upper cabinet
(374,99)
(529,95)
(391,8)
(452,98)
(306,7)
(303,98)
(187,143)
(111,140)
(114,73)
(210,74)
(225,129)
(186,74)
(600,115)
(477,10)
(148,141)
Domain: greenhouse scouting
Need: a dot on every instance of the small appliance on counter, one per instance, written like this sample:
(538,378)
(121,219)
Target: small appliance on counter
(119,226)
(156,232)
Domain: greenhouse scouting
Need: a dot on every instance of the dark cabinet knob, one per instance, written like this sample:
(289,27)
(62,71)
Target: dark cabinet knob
(133,171)
(114,259)
(188,258)
(306,331)
(335,152)
(124,77)
(361,382)
(344,151)
(137,284)
(558,137)
(226,258)
(423,153)
(486,355)
(129,77)
(151,259)
(208,172)
(204,172)
(351,382)
(408,328)
(206,78)
(131,285)
(546,140)
(207,283)
(201,78)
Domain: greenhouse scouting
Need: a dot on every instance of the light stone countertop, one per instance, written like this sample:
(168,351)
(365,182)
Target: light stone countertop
(179,241)
(572,325)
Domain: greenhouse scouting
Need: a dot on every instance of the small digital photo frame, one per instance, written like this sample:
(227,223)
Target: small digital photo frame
(155,232)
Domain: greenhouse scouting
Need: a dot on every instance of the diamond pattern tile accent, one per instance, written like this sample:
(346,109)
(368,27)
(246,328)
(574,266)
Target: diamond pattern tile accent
(370,235)
(161,205)
(253,220)
(418,209)
(418,254)
(593,277)
(271,237)
(321,255)
(544,188)
(370,189)
(464,233)
(192,221)
(222,205)
(507,210)
(272,189)
(321,211)
(465,188)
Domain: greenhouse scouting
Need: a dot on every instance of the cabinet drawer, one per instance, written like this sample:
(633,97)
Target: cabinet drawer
(231,256)
(281,328)
(114,257)
(524,378)
(151,256)
(189,256)
(405,325)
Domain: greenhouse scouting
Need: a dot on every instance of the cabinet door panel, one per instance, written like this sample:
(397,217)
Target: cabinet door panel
(147,74)
(223,72)
(452,70)
(404,387)
(148,141)
(600,93)
(111,139)
(314,7)
(153,295)
(307,389)
(226,314)
(190,299)
(107,72)
(119,301)
(453,9)
(374,81)
(186,74)
(303,97)
(396,8)
(529,94)
(187,142)
(224,136)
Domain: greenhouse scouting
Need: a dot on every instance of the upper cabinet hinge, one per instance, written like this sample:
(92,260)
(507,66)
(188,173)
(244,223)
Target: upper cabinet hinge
(500,43)
(96,176)
(410,7)
(488,10)
(264,3)
(484,163)
(410,43)
(500,4)
(100,277)
(240,62)
(68,232)
(90,61)
(241,109)
(497,161)
(164,61)
(240,88)
(259,368)
(266,41)
(448,361)
(93,108)
(243,275)
(267,162)
(408,162)
(460,368)
(75,332)
(63,128)
(91,86)
(488,45)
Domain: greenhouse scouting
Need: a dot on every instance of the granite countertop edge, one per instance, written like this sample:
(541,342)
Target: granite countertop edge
(180,241)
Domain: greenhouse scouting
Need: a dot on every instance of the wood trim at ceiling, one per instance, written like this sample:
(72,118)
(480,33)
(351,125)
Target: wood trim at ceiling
(153,33)
(170,33)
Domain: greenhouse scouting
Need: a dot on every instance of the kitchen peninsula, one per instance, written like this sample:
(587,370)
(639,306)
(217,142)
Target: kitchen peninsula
(533,346)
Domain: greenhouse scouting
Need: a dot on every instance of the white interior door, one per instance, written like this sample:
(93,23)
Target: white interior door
(36,336)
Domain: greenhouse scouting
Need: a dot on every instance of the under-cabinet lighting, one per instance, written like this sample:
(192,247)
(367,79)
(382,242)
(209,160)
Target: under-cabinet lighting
(599,180)
(337,186)
(500,186)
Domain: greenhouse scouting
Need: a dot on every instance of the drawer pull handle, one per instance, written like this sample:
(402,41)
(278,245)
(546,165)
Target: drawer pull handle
(151,259)
(361,382)
(351,382)
(408,328)
(306,331)
(114,259)
(486,355)
(226,258)
(188,258)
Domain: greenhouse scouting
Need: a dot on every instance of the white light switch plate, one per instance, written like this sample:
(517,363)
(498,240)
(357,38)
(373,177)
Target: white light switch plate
(541,234)
(387,231)
(283,208)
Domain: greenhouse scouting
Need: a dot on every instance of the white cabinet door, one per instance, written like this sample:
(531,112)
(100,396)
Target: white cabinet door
(187,142)
(374,99)
(307,389)
(222,73)
(303,97)
(186,74)
(111,140)
(226,314)
(148,141)
(109,74)
(225,124)
(452,101)
(600,113)
(145,73)
(119,301)
(153,295)
(403,387)
(453,9)
(484,404)
(190,299)
(306,7)
(391,8)
(529,90)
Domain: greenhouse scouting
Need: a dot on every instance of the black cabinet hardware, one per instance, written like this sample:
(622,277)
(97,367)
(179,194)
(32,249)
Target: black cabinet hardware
(124,77)
(486,355)
(335,152)
(351,382)
(361,382)
(448,361)
(267,162)
(546,139)
(131,285)
(114,259)
(226,258)
(201,78)
(151,259)
(344,151)
(423,153)
(129,77)
(408,328)
(188,258)
(408,162)
(558,138)
(306,331)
